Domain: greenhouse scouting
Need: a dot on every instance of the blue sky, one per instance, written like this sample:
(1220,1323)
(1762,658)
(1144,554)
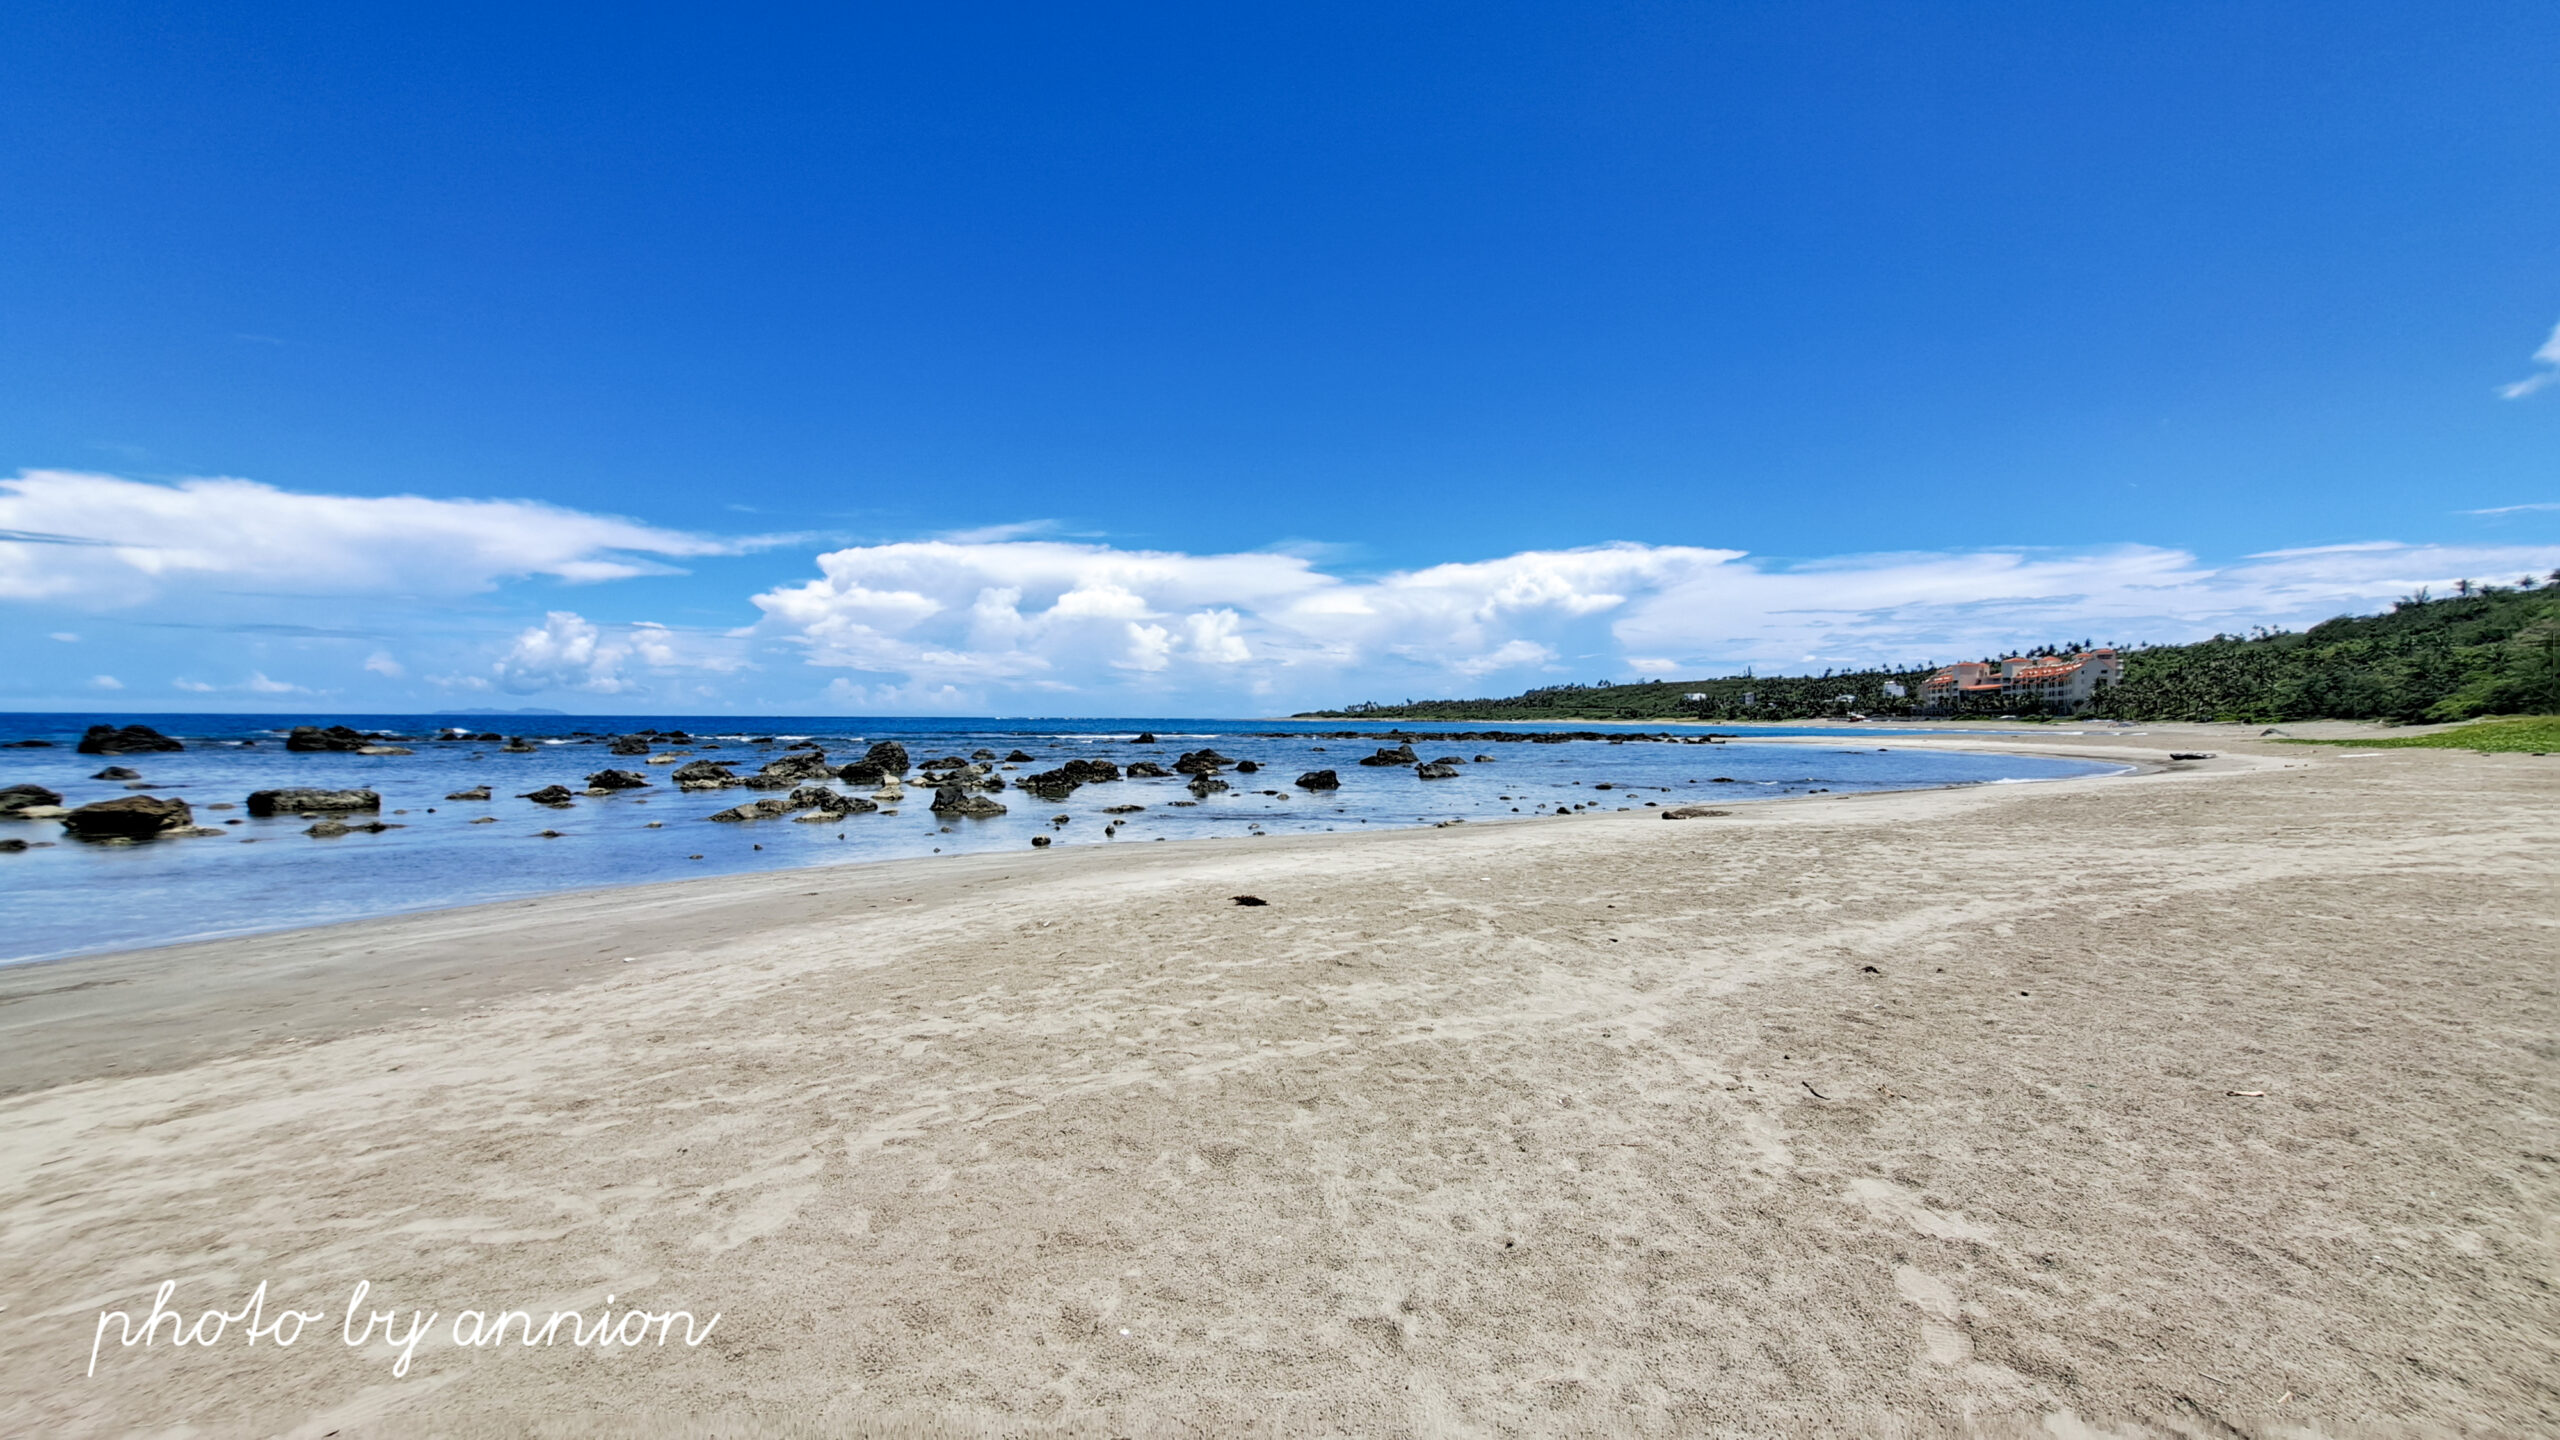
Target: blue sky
(1158,359)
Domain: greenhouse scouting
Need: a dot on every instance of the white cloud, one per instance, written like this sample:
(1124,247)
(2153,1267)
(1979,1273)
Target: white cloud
(259,684)
(65,636)
(102,541)
(2515,509)
(567,651)
(1049,624)
(2548,357)
(382,662)
(106,682)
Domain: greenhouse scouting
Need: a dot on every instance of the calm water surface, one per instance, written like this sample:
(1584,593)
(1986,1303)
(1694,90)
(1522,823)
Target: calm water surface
(265,874)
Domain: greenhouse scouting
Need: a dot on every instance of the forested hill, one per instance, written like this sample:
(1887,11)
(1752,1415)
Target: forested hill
(2489,651)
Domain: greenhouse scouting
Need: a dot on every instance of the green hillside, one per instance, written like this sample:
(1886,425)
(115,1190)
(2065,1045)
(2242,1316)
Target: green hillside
(2487,650)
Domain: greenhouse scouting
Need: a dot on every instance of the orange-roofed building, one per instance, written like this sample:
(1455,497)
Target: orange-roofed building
(2063,683)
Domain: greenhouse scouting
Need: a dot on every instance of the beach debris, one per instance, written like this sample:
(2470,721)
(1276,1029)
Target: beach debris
(299,801)
(131,740)
(2190,754)
(617,780)
(1249,900)
(476,792)
(1869,970)
(1818,1095)
(550,795)
(117,772)
(1444,769)
(129,818)
(16,800)
(1400,755)
(1039,842)
(1692,812)
(2252,1094)
(953,800)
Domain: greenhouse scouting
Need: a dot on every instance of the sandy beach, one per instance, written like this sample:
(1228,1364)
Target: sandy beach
(2212,1100)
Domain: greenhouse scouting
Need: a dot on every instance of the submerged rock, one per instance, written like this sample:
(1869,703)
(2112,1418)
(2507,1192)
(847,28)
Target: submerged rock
(17,798)
(1205,786)
(117,772)
(1146,770)
(132,817)
(1400,755)
(331,829)
(756,810)
(476,792)
(1319,780)
(551,795)
(630,745)
(131,740)
(296,802)
(616,780)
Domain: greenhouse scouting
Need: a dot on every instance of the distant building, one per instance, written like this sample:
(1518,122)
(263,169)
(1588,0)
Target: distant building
(1896,689)
(2064,683)
(1698,697)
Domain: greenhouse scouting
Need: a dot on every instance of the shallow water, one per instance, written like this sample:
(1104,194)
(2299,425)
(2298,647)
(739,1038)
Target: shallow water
(266,874)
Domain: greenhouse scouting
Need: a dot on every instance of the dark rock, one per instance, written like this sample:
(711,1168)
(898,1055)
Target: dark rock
(295,802)
(1319,780)
(1205,786)
(703,775)
(1693,812)
(1484,759)
(1146,770)
(28,745)
(1145,737)
(1249,900)
(19,797)
(630,745)
(864,772)
(2190,754)
(1400,755)
(1019,758)
(1201,762)
(1246,767)
(982,754)
(1723,780)
(616,780)
(801,765)
(947,762)
(476,792)
(133,817)
(550,795)
(12,847)
(332,828)
(117,772)
(1436,770)
(889,755)
(131,740)
(306,739)
(819,797)
(1039,842)
(1122,809)
(952,800)
(516,746)
(756,810)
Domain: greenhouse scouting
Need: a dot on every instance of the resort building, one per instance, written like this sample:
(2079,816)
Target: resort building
(2063,683)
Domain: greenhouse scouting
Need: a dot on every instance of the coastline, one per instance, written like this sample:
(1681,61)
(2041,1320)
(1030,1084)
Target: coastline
(1539,1124)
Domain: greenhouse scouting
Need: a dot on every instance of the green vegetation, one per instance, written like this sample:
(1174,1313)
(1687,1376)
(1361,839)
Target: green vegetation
(2484,650)
(2526,734)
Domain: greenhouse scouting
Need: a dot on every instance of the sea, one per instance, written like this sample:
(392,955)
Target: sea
(69,898)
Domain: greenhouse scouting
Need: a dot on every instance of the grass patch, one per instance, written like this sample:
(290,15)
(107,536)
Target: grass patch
(2530,734)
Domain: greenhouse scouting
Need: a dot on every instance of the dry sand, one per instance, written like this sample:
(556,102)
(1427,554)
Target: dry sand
(2216,1100)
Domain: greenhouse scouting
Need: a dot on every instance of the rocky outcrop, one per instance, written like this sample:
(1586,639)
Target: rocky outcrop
(1146,770)
(889,755)
(1319,780)
(756,810)
(616,780)
(1019,758)
(1246,767)
(551,795)
(1201,762)
(1145,737)
(819,797)
(476,792)
(1401,755)
(131,740)
(133,817)
(703,775)
(1436,770)
(302,802)
(20,797)
(307,739)
(1204,786)
(1059,783)
(800,765)
(952,800)
(947,762)
(630,745)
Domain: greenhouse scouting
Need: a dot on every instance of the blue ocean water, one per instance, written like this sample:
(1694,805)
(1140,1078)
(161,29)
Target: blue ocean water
(265,874)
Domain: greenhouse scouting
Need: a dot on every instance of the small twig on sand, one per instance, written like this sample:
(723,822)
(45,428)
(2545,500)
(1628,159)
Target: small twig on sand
(1818,1095)
(2244,1092)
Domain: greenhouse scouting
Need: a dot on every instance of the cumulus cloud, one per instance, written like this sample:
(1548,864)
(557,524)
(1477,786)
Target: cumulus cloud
(106,682)
(567,651)
(989,624)
(104,541)
(383,663)
(2548,357)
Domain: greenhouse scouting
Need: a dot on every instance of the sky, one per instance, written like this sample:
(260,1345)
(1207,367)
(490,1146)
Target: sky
(1165,360)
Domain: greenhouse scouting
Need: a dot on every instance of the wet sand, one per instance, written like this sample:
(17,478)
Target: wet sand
(2214,1099)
